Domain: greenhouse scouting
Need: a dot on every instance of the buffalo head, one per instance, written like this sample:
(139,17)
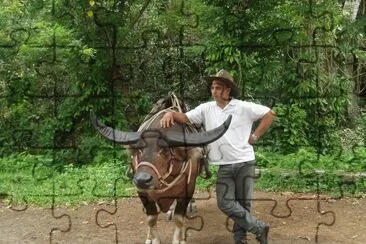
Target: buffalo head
(159,155)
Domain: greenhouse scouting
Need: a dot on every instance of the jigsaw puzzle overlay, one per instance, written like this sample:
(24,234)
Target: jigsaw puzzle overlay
(146,62)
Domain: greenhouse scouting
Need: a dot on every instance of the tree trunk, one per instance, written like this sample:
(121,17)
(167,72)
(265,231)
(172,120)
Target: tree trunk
(351,8)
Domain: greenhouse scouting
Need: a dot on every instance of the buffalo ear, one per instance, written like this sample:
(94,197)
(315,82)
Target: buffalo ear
(195,152)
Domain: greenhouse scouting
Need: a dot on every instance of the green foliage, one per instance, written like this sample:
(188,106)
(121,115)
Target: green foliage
(32,179)
(309,171)
(270,48)
(59,60)
(264,45)
(204,184)
(310,159)
(290,128)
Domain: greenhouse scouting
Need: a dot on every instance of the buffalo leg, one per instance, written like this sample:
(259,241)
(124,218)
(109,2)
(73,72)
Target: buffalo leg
(179,213)
(191,208)
(152,218)
(152,232)
(179,232)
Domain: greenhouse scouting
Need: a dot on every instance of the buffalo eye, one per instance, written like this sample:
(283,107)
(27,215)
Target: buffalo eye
(165,151)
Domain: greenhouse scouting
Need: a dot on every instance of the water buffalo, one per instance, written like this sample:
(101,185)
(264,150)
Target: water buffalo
(165,164)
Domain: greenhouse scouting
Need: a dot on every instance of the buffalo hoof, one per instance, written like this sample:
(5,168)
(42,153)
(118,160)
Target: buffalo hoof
(192,207)
(149,241)
(169,215)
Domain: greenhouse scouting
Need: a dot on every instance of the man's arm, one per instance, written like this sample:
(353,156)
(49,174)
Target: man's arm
(170,118)
(263,126)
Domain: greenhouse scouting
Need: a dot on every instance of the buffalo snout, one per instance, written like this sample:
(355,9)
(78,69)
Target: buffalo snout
(143,180)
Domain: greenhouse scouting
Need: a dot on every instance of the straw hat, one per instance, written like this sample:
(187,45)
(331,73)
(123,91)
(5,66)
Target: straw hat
(224,77)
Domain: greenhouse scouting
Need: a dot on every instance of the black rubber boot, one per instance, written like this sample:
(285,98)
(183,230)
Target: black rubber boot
(262,237)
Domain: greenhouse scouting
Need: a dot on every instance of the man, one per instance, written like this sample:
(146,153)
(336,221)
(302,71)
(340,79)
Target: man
(233,152)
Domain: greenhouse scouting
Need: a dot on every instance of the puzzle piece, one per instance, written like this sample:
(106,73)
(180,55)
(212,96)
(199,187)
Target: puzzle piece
(57,216)
(112,217)
(20,185)
(127,50)
(35,231)
(151,148)
(326,218)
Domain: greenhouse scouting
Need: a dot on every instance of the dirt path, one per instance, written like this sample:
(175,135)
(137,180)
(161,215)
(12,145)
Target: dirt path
(295,222)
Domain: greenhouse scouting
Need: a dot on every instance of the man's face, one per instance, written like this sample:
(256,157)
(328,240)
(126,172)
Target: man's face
(219,91)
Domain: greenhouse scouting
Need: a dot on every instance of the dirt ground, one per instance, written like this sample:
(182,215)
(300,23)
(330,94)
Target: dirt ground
(294,218)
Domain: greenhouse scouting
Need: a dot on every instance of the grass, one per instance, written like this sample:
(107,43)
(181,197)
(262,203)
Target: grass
(308,171)
(27,179)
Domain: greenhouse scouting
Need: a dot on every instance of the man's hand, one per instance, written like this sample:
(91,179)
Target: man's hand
(252,139)
(263,126)
(167,120)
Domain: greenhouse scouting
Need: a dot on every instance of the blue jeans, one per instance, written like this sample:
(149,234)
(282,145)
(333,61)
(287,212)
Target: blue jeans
(234,191)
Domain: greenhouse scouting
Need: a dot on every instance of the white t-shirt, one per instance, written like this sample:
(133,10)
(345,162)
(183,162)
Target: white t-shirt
(233,147)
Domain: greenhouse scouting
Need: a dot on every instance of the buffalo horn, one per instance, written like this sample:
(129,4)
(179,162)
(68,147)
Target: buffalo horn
(196,139)
(125,138)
